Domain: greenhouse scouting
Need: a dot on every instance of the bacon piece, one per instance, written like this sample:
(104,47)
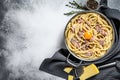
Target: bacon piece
(93,38)
(80,34)
(89,53)
(103,32)
(98,29)
(80,20)
(85,47)
(73,28)
(75,42)
(101,42)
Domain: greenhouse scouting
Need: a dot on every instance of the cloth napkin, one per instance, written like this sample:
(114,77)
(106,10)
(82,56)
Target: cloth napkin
(56,64)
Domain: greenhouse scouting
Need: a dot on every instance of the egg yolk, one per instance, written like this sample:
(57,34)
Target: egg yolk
(88,35)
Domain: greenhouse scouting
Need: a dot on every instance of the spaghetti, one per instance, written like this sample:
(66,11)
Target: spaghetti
(89,36)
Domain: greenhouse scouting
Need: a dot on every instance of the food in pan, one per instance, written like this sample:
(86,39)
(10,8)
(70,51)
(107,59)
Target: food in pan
(89,36)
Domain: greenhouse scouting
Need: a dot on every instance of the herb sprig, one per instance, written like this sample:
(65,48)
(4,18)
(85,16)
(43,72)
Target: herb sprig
(74,5)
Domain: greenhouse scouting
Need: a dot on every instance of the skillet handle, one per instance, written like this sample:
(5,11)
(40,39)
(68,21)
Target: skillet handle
(72,62)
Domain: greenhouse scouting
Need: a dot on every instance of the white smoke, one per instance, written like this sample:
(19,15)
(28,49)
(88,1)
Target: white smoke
(34,31)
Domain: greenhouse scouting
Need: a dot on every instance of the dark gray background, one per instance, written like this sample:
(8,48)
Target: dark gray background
(4,73)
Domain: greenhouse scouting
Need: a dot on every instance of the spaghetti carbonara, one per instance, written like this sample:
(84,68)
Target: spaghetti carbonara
(89,36)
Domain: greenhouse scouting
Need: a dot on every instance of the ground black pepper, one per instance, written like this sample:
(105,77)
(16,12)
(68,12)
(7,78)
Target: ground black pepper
(92,4)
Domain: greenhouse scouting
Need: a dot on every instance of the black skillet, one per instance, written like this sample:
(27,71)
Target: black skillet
(92,9)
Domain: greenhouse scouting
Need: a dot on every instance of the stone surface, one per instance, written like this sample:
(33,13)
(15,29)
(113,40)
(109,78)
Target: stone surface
(33,30)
